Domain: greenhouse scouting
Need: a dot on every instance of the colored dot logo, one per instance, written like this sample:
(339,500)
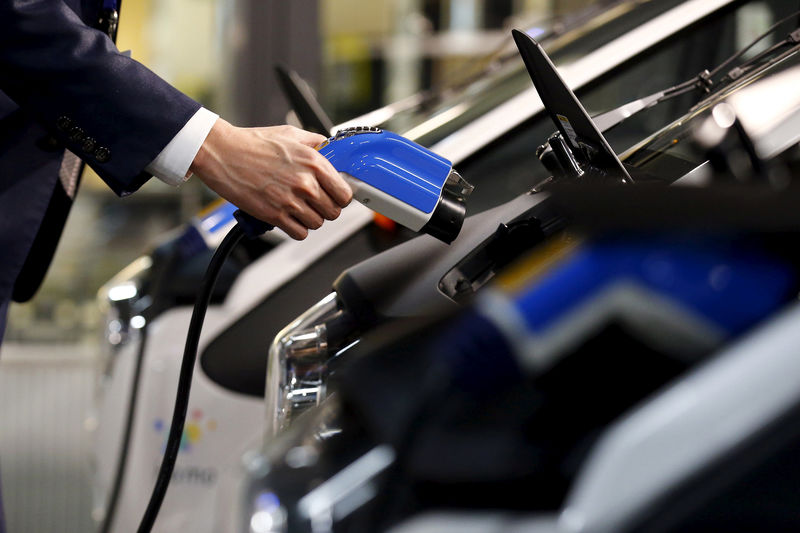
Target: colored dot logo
(197,426)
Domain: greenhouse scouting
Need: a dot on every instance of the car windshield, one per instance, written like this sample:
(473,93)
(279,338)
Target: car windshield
(508,166)
(670,152)
(439,117)
(566,27)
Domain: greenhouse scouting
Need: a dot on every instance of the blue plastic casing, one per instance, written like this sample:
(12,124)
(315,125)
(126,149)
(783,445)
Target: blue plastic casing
(207,228)
(723,286)
(393,164)
(723,282)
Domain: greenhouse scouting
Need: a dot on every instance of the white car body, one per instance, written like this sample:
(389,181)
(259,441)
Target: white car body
(224,425)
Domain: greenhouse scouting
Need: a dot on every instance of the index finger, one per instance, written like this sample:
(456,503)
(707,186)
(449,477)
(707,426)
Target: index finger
(309,139)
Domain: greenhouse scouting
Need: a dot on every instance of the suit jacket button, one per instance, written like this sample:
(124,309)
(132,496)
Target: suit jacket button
(77,135)
(88,145)
(102,154)
(63,123)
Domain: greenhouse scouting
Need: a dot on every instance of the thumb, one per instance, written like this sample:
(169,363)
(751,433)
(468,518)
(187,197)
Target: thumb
(309,139)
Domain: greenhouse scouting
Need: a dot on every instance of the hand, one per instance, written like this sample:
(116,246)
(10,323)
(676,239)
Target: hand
(273,174)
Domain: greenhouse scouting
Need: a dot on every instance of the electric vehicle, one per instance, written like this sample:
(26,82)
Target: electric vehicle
(605,382)
(476,129)
(422,277)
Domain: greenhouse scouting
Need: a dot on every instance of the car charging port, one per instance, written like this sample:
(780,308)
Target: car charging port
(480,266)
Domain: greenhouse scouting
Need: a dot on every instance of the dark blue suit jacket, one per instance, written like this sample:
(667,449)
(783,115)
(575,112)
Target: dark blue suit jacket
(64,84)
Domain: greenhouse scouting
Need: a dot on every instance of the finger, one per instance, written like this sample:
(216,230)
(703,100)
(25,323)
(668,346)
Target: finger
(325,205)
(307,216)
(330,180)
(292,227)
(309,139)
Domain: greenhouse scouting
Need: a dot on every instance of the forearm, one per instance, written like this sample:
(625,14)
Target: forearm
(57,68)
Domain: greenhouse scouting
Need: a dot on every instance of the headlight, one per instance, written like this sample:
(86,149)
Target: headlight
(268,515)
(120,301)
(299,359)
(278,476)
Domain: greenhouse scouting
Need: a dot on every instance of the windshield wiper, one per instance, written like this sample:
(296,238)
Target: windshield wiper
(703,82)
(609,119)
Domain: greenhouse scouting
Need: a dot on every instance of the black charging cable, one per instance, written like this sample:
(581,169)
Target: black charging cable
(246,226)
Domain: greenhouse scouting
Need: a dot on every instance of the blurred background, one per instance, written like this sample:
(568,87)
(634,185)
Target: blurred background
(356,56)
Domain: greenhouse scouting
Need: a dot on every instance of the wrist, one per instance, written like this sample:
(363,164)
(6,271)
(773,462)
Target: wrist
(208,155)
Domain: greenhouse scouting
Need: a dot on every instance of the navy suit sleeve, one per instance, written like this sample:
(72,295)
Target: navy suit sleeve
(105,107)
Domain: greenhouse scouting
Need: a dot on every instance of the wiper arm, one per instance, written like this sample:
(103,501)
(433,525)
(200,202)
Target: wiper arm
(703,81)
(606,121)
(609,119)
(738,71)
(755,41)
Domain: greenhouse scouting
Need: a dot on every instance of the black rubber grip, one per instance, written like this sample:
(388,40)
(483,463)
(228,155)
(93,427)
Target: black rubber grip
(251,226)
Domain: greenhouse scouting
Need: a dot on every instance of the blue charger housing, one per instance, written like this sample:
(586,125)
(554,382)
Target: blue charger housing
(391,163)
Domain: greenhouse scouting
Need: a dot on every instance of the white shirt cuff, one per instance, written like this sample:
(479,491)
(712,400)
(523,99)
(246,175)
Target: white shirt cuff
(172,165)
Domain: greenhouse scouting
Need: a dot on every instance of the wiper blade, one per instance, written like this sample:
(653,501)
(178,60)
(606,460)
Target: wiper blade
(754,42)
(738,71)
(703,81)
(609,119)
(606,121)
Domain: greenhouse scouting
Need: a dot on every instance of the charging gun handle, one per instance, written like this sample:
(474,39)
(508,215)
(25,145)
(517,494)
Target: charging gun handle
(251,226)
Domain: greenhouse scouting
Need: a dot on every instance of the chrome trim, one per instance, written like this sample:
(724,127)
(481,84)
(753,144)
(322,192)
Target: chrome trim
(347,490)
(297,365)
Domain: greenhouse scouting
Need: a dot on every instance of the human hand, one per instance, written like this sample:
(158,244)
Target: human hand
(274,174)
